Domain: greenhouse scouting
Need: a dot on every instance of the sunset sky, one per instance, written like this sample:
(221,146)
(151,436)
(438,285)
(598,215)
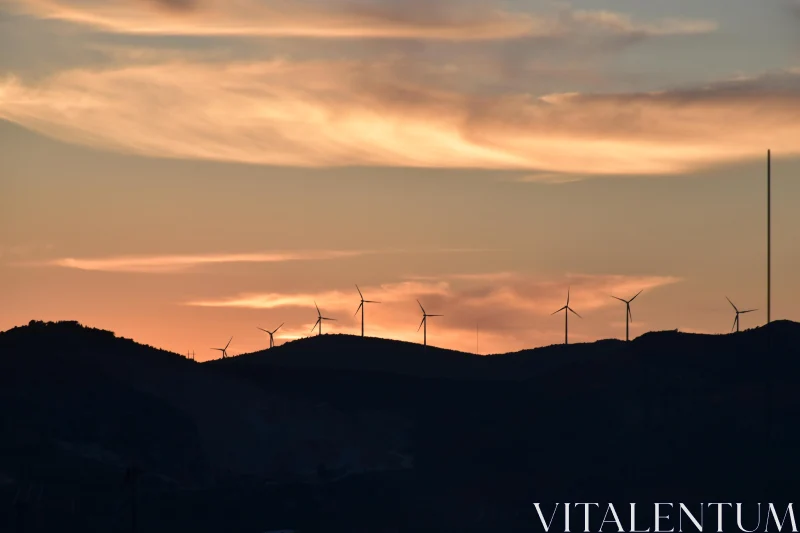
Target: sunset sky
(185,171)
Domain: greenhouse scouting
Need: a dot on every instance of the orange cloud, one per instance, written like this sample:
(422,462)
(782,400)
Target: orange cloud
(416,19)
(161,264)
(336,300)
(180,263)
(320,114)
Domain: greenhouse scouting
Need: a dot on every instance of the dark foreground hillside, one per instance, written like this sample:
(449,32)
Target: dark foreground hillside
(339,433)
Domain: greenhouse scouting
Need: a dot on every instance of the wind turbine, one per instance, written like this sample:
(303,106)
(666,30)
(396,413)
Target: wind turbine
(271,333)
(567,310)
(736,320)
(224,350)
(320,318)
(361,308)
(628,315)
(424,323)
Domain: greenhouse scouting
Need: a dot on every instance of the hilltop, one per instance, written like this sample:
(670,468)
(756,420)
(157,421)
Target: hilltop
(338,352)
(82,396)
(401,434)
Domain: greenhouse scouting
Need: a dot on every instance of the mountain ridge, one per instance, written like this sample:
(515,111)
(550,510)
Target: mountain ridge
(348,430)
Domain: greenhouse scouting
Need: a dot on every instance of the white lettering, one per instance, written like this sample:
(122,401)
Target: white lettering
(541,516)
(774,514)
(659,517)
(698,525)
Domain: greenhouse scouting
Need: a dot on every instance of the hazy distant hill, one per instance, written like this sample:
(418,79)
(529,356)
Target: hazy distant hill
(404,435)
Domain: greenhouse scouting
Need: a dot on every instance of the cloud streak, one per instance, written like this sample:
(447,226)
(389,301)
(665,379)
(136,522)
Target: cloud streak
(161,264)
(167,264)
(393,19)
(338,300)
(323,114)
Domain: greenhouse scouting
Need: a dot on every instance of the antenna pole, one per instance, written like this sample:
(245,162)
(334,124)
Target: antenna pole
(769,236)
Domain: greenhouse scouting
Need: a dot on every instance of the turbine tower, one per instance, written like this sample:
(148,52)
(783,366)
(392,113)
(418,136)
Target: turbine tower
(320,318)
(361,308)
(628,315)
(271,333)
(567,310)
(736,320)
(424,323)
(224,350)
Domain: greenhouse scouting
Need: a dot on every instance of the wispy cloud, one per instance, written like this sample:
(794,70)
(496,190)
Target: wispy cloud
(324,114)
(181,263)
(549,177)
(624,24)
(162,264)
(336,300)
(463,20)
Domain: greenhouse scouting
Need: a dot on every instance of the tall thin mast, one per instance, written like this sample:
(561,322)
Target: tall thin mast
(769,236)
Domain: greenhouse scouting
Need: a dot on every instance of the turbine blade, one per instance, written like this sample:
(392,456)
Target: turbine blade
(279,327)
(262,329)
(315,324)
(630,315)
(554,312)
(420,324)
(735,320)
(748,311)
(573,312)
(637,294)
(229,343)
(420,306)
(434,315)
(326,318)
(620,299)
(359,308)
(568,288)
(730,302)
(370,302)
(359,292)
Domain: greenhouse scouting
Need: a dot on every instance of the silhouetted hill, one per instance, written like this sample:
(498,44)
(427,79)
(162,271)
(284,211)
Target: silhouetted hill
(370,354)
(374,355)
(83,396)
(668,413)
(399,435)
